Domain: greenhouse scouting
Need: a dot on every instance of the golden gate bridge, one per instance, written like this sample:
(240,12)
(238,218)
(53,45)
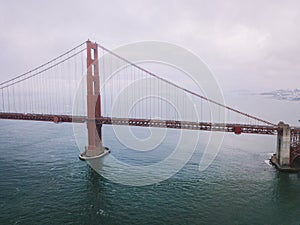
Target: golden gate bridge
(46,93)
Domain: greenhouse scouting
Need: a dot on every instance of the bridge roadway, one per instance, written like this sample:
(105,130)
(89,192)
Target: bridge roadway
(206,126)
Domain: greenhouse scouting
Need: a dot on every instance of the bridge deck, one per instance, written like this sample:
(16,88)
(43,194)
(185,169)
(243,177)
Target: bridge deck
(206,126)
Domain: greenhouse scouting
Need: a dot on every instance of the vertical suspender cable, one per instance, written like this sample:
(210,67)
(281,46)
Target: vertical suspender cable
(14,97)
(82,86)
(49,89)
(8,101)
(112,81)
(3,108)
(68,80)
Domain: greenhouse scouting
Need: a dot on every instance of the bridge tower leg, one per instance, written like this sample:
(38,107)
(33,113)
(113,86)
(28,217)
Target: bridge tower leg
(95,147)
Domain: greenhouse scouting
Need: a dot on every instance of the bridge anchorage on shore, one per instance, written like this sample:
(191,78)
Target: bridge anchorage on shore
(46,93)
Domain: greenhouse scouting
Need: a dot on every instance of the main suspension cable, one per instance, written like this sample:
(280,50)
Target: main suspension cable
(184,89)
(56,58)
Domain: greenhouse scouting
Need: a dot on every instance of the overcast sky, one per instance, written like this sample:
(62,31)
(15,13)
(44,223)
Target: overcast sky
(248,44)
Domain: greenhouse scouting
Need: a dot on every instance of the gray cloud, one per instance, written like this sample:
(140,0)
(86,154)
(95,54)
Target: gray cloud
(248,44)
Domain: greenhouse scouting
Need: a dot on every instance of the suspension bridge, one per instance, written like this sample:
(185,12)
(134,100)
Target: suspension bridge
(93,85)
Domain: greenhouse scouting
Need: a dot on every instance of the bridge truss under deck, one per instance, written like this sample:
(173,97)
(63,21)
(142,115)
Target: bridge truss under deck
(205,126)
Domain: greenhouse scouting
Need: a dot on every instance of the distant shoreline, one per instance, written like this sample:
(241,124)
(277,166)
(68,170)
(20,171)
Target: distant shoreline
(290,95)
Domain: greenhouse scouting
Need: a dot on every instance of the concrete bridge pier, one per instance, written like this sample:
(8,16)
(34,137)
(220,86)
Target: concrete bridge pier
(287,149)
(283,146)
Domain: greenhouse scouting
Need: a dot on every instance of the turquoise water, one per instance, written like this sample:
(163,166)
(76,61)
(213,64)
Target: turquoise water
(42,181)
